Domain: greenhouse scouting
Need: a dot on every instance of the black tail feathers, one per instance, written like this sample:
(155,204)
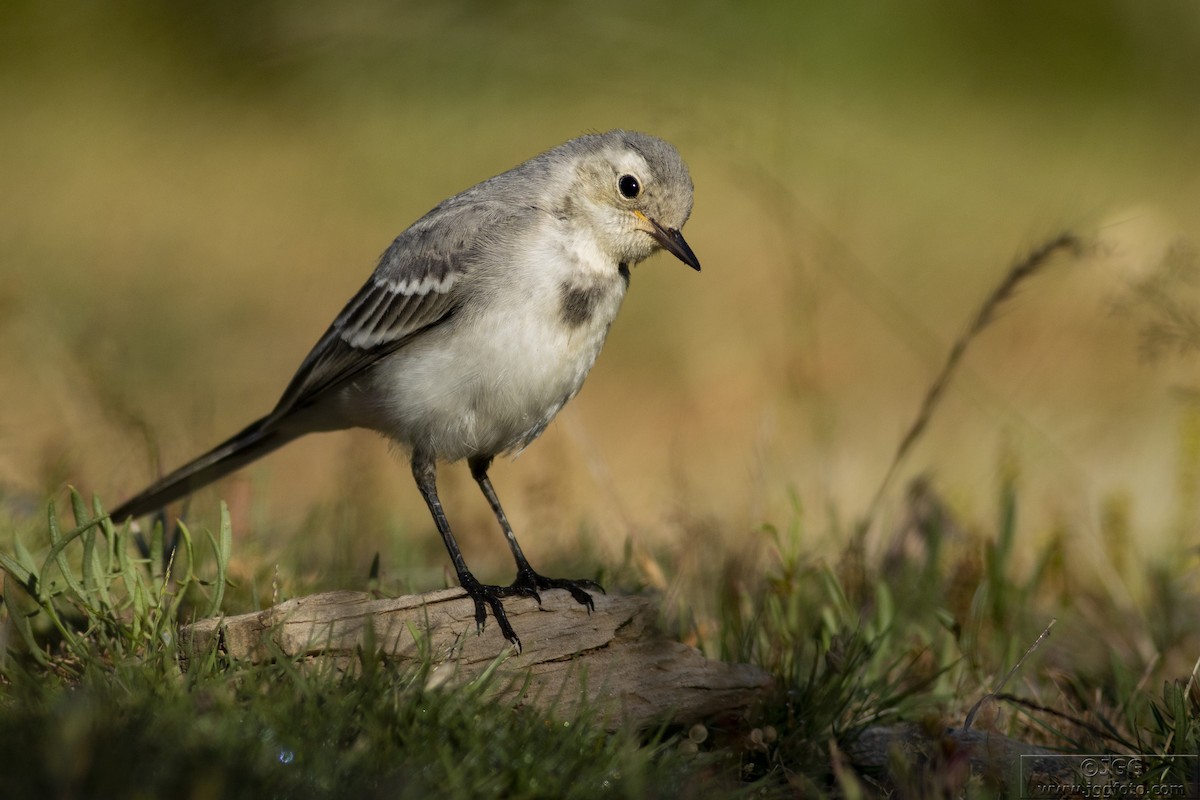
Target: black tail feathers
(251,444)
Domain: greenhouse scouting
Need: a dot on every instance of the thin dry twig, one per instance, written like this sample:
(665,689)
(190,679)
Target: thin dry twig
(1104,731)
(992,695)
(1021,271)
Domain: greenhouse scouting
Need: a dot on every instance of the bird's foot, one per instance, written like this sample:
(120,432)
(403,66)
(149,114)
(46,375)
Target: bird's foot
(488,596)
(529,583)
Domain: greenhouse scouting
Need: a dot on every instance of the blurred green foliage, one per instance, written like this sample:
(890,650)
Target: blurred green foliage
(1108,51)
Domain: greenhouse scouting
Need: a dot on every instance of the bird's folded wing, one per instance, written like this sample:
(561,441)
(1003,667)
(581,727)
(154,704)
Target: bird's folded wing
(417,285)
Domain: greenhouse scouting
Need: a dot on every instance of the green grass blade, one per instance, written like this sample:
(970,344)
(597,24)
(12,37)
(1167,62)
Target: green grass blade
(221,550)
(15,568)
(138,597)
(837,596)
(94,565)
(28,564)
(19,619)
(226,539)
(101,566)
(78,509)
(87,564)
(157,537)
(58,544)
(183,544)
(129,572)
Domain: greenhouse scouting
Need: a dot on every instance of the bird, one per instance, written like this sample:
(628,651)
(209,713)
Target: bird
(478,324)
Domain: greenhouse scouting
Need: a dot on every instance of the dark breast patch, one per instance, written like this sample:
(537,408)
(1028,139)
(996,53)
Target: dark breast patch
(577,304)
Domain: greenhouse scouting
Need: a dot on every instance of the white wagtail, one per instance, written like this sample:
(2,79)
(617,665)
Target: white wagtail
(479,323)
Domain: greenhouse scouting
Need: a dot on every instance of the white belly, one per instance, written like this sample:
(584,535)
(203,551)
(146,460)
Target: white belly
(489,380)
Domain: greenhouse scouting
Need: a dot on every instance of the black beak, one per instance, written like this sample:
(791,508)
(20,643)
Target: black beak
(672,241)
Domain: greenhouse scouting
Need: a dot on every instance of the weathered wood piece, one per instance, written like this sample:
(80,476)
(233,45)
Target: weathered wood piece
(614,656)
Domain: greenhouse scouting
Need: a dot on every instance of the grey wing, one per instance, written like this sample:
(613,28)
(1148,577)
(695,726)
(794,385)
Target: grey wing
(417,285)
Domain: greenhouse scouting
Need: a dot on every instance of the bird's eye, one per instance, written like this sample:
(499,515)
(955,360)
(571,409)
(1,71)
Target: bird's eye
(629,186)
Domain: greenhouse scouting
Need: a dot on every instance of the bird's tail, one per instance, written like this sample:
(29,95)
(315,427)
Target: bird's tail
(258,439)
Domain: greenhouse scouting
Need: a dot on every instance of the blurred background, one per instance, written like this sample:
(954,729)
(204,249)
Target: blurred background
(191,191)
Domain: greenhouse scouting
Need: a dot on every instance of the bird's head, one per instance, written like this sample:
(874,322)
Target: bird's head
(635,193)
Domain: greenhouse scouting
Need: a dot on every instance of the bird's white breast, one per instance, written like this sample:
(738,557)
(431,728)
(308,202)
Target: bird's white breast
(490,379)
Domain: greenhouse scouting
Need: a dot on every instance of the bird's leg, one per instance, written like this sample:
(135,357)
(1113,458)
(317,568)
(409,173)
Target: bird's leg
(528,582)
(425,472)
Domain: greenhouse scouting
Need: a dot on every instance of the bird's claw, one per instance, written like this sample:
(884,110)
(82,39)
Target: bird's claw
(487,596)
(528,583)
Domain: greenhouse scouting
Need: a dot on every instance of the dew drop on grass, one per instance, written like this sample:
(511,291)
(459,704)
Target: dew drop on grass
(286,756)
